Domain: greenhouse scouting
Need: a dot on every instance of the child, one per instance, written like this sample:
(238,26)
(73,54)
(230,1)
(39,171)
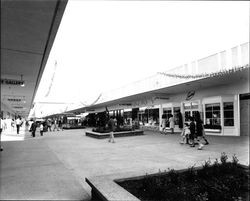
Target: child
(41,129)
(185,134)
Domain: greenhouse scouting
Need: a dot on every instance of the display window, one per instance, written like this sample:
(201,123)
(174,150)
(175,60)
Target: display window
(213,114)
(177,111)
(167,112)
(228,108)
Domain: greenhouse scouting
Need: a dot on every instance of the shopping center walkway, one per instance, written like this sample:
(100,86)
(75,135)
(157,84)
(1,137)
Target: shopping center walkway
(55,166)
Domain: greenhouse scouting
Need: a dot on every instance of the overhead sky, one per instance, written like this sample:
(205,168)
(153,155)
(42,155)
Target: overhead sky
(103,45)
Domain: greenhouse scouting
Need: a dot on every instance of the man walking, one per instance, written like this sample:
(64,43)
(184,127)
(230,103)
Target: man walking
(33,128)
(18,123)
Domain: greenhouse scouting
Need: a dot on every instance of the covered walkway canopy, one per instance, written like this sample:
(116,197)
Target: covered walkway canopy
(28,30)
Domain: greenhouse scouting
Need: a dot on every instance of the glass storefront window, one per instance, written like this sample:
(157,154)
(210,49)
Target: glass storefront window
(187,106)
(167,112)
(187,115)
(177,110)
(194,105)
(228,113)
(212,112)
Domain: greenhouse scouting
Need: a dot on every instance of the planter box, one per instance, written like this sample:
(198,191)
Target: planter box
(116,134)
(106,187)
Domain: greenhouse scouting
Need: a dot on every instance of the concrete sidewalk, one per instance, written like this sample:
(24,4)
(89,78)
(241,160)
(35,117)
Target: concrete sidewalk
(55,166)
(31,171)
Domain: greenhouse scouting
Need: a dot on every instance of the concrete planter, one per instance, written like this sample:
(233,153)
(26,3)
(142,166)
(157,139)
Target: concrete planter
(106,188)
(116,134)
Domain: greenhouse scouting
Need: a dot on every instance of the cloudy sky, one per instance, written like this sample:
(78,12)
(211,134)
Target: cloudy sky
(102,45)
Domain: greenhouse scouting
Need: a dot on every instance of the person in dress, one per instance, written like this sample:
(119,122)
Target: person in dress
(200,132)
(111,124)
(171,123)
(41,128)
(185,134)
(163,124)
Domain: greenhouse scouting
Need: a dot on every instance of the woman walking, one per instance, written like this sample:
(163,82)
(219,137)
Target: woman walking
(171,123)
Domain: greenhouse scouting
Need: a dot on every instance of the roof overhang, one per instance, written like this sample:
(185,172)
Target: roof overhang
(167,92)
(28,30)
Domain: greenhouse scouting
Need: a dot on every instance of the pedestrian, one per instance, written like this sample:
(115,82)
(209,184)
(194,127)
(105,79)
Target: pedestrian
(163,124)
(33,128)
(49,125)
(60,124)
(1,129)
(41,128)
(12,124)
(192,131)
(56,125)
(171,123)
(111,124)
(200,133)
(27,125)
(4,124)
(185,134)
(18,124)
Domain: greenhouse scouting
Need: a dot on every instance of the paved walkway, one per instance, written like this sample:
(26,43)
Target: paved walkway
(55,166)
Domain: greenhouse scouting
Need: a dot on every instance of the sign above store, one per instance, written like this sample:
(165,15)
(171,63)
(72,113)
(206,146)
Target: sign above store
(190,95)
(12,82)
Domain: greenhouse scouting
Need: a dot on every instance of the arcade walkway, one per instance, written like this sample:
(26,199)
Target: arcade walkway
(55,166)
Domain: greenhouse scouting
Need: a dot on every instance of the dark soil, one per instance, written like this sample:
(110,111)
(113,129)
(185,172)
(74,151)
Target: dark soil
(224,181)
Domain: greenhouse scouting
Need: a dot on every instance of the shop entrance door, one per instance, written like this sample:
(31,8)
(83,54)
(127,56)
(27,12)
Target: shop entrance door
(244,114)
(189,113)
(190,109)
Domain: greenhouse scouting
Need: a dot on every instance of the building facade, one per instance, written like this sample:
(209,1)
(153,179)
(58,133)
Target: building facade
(216,86)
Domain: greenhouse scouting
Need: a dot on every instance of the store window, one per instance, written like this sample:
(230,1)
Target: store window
(177,111)
(167,112)
(228,113)
(187,106)
(213,116)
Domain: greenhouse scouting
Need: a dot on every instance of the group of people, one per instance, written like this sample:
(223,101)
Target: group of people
(54,124)
(49,125)
(33,127)
(169,121)
(193,133)
(9,124)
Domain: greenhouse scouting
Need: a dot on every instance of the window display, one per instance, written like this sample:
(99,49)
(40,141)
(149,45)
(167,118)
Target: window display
(212,112)
(228,113)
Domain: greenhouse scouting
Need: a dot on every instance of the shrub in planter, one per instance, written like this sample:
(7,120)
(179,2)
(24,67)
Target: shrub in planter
(222,180)
(101,130)
(120,129)
(107,130)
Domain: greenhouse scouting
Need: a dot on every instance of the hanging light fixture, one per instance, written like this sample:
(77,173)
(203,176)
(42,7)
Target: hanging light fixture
(22,82)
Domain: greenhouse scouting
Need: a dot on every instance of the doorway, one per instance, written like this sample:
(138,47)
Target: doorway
(244,114)
(190,109)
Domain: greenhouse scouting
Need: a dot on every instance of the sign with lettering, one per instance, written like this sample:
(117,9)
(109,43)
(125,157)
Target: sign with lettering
(12,82)
(190,95)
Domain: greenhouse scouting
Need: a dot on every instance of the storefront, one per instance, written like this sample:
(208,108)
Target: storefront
(220,113)
(215,87)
